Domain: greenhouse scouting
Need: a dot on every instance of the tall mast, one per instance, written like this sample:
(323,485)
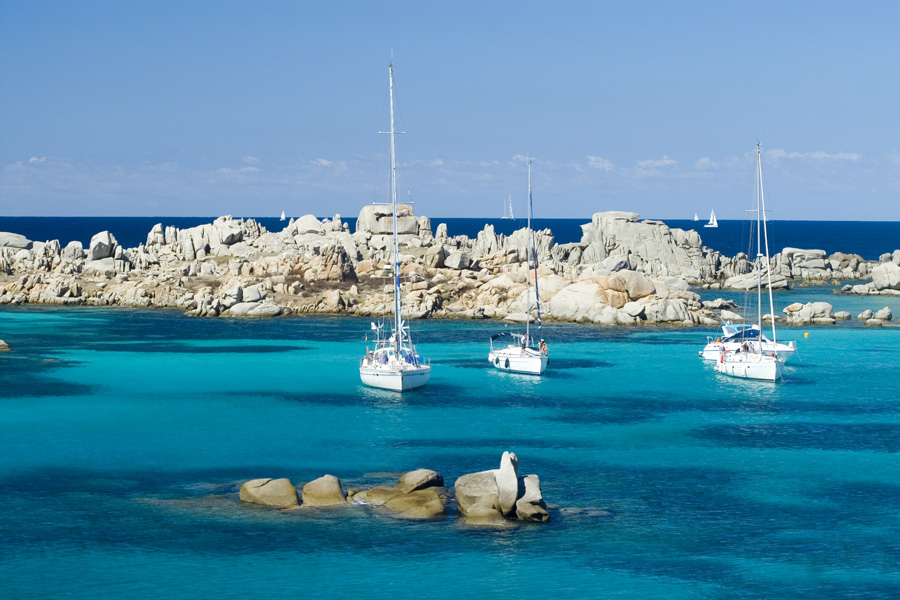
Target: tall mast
(762,200)
(758,239)
(537,290)
(398,324)
(528,250)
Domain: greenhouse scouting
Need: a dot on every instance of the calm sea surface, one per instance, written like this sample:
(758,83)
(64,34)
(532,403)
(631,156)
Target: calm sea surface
(125,435)
(867,238)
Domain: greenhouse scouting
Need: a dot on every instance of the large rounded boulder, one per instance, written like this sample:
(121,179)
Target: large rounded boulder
(277,493)
(324,491)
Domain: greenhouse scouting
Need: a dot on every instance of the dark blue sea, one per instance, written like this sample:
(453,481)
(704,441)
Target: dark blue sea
(867,238)
(125,435)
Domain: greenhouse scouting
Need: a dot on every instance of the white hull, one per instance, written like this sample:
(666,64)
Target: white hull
(750,366)
(714,350)
(515,361)
(394,379)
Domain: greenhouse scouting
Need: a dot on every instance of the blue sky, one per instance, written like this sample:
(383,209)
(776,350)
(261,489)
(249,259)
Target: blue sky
(197,108)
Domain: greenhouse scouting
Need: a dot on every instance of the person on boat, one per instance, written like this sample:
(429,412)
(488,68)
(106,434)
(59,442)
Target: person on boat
(543,347)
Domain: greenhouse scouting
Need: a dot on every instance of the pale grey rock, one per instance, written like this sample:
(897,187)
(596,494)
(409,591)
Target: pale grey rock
(419,480)
(457,260)
(635,284)
(821,313)
(104,267)
(14,240)
(749,281)
(508,482)
(718,303)
(728,315)
(531,506)
(478,489)
(252,294)
(309,224)
(884,314)
(650,247)
(103,245)
(435,256)
(324,491)
(278,493)
(633,309)
(874,323)
(4,347)
(866,315)
(157,236)
(842,315)
(886,276)
(73,251)
(378,220)
(265,310)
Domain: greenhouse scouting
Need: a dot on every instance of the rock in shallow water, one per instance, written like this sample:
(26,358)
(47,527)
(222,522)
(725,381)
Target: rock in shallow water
(324,491)
(278,493)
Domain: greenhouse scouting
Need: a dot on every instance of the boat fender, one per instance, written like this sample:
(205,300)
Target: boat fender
(507,363)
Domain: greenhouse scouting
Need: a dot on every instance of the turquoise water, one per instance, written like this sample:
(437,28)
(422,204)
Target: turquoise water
(125,435)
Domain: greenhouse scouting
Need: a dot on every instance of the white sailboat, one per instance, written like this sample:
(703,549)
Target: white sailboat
(696,218)
(751,360)
(282,215)
(508,210)
(712,220)
(522,355)
(735,334)
(394,363)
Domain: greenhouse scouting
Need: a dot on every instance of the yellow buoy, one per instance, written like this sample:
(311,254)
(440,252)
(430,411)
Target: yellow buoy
(806,334)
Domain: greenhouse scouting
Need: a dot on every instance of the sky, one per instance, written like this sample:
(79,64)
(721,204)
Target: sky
(251,108)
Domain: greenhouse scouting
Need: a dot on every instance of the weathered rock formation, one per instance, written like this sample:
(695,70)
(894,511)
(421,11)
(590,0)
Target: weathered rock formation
(492,497)
(623,271)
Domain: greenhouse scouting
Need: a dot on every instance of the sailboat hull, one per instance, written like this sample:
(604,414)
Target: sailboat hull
(396,380)
(515,360)
(761,367)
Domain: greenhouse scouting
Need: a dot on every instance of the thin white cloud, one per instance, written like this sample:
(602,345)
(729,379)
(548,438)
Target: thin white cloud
(706,164)
(251,160)
(598,162)
(322,162)
(656,163)
(779,153)
(35,159)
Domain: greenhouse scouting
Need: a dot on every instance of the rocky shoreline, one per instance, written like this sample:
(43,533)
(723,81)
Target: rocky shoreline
(624,271)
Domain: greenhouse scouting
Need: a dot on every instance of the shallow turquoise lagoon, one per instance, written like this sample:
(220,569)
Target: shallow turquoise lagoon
(125,435)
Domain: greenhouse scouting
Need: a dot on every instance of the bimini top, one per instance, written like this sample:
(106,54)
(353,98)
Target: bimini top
(734,333)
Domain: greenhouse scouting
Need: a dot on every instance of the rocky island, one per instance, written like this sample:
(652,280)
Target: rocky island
(624,271)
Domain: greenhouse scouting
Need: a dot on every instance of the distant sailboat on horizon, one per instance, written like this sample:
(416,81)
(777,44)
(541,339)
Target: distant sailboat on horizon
(696,218)
(508,210)
(712,220)
(282,216)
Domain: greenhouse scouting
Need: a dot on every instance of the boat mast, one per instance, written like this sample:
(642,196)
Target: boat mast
(398,324)
(528,249)
(537,292)
(758,240)
(762,200)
